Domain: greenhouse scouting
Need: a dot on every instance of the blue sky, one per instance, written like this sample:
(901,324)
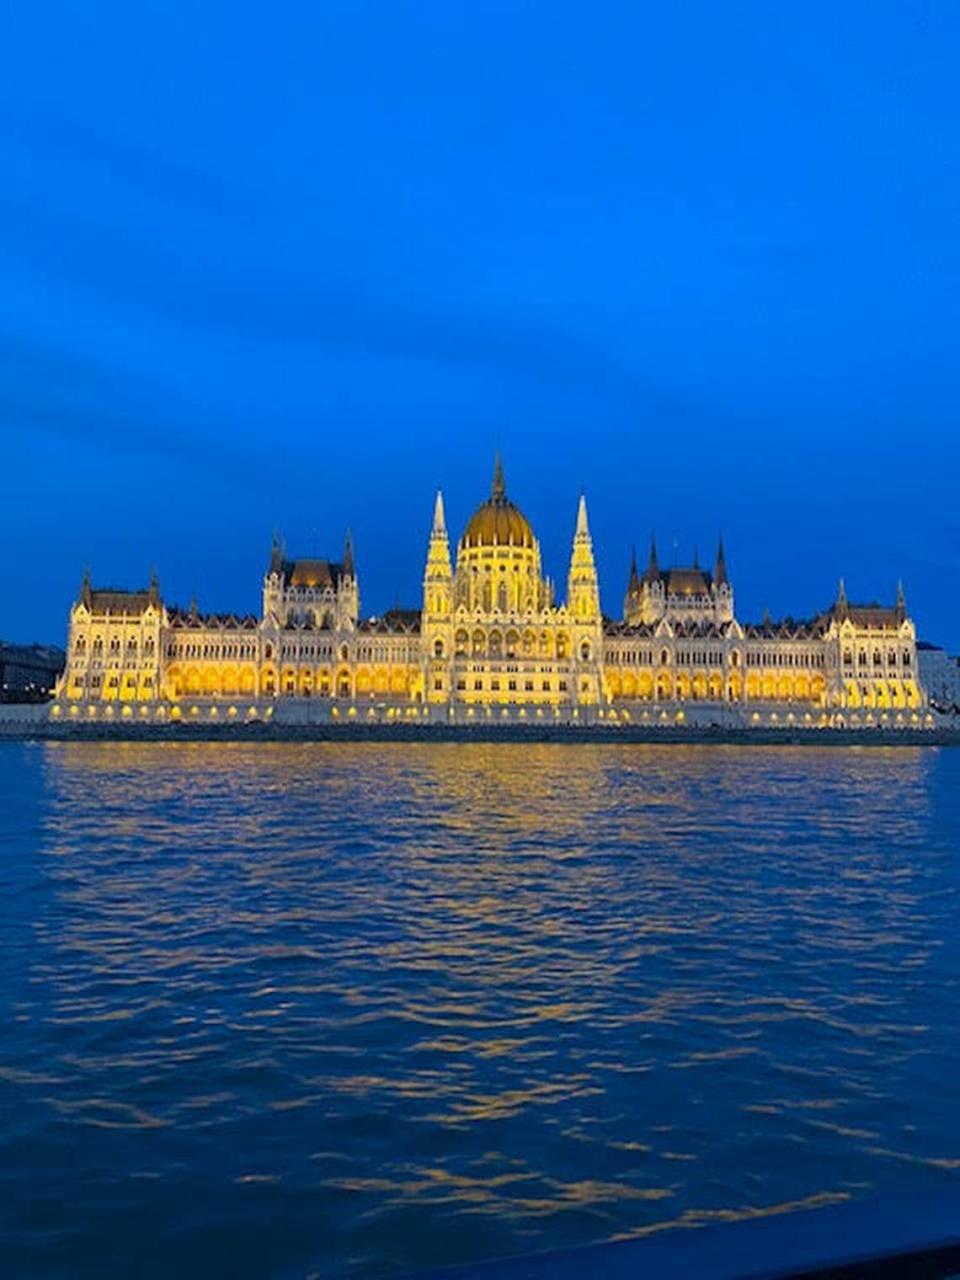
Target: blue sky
(297,265)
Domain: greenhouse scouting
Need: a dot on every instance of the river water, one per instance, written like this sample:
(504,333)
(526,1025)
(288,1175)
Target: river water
(349,1010)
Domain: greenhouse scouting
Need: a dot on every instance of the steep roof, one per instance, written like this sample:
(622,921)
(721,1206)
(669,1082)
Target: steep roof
(312,573)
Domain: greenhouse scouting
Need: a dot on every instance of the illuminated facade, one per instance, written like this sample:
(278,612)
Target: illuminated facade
(490,638)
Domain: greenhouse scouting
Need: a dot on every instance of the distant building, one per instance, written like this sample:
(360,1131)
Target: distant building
(491,635)
(29,673)
(939,675)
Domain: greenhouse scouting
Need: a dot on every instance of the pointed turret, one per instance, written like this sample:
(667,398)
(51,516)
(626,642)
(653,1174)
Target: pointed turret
(154,590)
(86,588)
(348,567)
(633,580)
(720,567)
(653,568)
(276,555)
(842,606)
(631,601)
(439,516)
(901,602)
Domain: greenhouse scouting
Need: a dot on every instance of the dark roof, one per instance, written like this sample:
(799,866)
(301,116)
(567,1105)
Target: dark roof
(190,619)
(394,621)
(312,573)
(878,616)
(109,600)
(686,582)
(786,628)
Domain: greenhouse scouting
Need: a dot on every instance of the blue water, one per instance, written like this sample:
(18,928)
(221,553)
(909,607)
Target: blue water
(344,1010)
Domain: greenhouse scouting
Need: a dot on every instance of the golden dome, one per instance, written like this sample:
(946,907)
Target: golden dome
(498,522)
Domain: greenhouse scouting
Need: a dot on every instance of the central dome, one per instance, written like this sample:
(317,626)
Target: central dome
(498,522)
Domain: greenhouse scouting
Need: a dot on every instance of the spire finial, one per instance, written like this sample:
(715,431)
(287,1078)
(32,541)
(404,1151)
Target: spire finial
(720,569)
(498,490)
(439,517)
(696,558)
(275,553)
(842,605)
(348,555)
(901,599)
(583,529)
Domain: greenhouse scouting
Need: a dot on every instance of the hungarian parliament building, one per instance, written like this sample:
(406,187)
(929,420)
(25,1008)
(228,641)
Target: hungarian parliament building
(490,638)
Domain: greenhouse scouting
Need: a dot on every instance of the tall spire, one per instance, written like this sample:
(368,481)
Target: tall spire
(901,601)
(842,603)
(348,568)
(583,597)
(438,552)
(653,569)
(276,559)
(720,568)
(154,589)
(498,490)
(86,586)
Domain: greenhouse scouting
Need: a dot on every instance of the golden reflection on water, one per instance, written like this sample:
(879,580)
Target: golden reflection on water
(574,991)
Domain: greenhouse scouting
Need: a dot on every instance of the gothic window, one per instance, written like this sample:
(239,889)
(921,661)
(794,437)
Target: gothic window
(438,648)
(585,652)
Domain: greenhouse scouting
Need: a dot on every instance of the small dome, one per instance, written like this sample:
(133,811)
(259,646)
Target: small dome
(498,522)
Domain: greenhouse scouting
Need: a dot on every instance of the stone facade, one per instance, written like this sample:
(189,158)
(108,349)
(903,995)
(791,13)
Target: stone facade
(491,638)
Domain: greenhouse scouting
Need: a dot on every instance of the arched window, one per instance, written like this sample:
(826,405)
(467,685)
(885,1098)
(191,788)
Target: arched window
(664,657)
(585,651)
(438,648)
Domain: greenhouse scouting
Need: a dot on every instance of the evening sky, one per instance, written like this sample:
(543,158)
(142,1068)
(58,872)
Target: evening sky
(295,265)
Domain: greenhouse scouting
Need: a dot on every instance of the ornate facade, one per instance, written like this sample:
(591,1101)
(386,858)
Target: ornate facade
(490,639)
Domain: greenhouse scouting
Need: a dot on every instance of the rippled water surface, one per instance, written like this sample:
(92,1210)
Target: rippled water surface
(346,1010)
